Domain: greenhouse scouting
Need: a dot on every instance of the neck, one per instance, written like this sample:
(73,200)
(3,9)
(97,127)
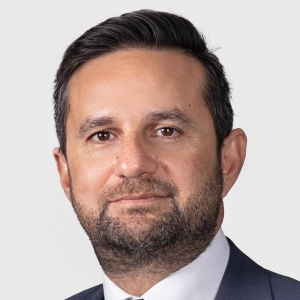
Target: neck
(137,274)
(138,281)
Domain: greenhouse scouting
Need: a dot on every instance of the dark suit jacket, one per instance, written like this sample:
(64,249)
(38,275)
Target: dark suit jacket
(243,280)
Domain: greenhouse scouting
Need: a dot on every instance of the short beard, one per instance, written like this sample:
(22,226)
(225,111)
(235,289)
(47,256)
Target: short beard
(172,240)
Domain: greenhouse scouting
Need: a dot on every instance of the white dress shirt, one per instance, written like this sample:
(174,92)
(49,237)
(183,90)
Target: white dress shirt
(199,280)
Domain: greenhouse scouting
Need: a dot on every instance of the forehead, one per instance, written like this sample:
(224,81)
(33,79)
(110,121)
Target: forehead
(137,77)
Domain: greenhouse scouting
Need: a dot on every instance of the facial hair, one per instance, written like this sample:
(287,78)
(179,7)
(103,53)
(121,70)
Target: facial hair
(172,239)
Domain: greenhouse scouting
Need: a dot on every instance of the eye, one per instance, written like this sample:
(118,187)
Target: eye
(167,131)
(102,136)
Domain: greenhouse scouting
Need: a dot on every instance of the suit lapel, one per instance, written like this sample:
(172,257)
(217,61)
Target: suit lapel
(98,294)
(243,278)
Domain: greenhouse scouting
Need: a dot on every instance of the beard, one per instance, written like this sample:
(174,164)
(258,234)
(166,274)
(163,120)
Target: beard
(146,237)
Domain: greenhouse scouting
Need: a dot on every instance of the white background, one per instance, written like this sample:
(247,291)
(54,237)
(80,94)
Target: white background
(44,252)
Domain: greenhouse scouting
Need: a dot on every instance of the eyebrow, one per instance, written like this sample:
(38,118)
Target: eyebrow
(161,115)
(93,122)
(173,115)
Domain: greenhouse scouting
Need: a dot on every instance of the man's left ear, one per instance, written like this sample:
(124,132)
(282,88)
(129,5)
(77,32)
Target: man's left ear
(233,154)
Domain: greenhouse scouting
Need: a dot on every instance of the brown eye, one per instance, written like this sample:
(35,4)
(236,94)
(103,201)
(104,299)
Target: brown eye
(102,136)
(167,131)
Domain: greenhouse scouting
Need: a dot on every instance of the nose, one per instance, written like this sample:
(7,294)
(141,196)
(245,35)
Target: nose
(134,158)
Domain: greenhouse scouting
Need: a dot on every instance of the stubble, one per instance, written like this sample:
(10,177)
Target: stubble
(154,241)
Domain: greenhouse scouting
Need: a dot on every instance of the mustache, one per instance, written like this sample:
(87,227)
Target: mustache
(139,186)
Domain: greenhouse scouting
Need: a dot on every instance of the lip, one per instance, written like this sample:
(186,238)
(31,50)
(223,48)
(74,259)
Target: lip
(140,198)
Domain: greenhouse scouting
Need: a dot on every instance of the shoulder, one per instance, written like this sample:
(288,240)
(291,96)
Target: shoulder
(94,293)
(244,279)
(283,287)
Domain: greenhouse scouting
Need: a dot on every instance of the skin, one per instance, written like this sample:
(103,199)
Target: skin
(114,133)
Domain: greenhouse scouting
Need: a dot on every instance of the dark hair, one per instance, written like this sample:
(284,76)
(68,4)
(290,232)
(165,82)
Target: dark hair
(149,30)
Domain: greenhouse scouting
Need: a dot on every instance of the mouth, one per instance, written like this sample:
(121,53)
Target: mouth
(139,198)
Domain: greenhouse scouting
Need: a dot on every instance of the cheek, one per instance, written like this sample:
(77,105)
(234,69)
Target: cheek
(89,176)
(190,172)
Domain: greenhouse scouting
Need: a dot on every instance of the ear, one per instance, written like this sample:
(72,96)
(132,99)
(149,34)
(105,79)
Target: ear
(63,170)
(233,154)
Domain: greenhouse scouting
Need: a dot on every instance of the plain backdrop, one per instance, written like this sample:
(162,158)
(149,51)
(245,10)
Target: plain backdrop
(44,252)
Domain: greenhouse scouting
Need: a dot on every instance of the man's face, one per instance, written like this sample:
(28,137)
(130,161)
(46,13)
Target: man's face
(141,144)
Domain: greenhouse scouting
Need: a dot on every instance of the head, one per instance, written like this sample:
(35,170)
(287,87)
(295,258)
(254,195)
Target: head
(147,150)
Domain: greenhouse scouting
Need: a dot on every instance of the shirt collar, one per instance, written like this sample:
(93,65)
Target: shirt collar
(198,280)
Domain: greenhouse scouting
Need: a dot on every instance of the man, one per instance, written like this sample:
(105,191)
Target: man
(147,153)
